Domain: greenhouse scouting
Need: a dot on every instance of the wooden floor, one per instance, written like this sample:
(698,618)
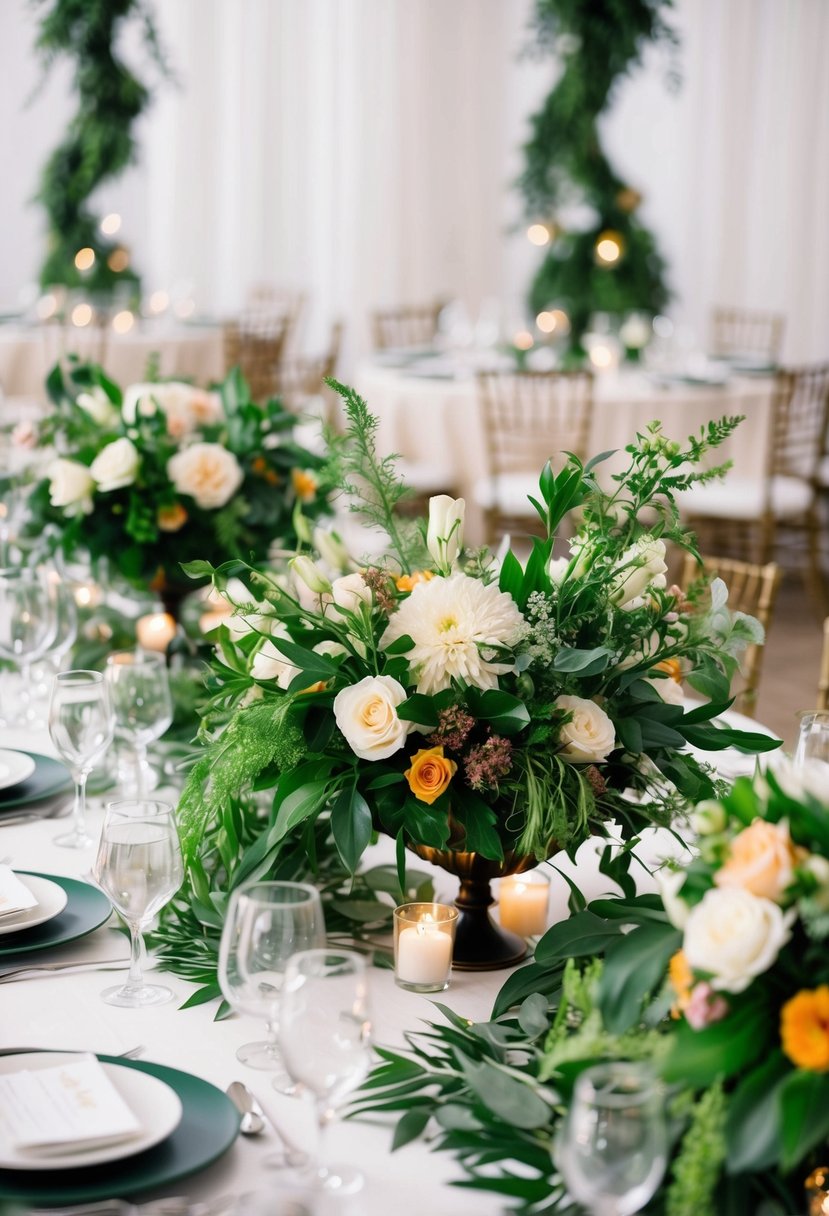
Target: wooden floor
(792,661)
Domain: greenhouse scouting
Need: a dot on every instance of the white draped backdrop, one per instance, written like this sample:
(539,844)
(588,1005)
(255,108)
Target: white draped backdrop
(363,150)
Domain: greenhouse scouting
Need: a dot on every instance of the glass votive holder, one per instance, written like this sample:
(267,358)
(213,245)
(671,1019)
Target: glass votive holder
(524,903)
(424,935)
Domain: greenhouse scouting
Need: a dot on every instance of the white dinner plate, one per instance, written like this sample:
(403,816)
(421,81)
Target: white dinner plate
(14,768)
(51,900)
(155,1105)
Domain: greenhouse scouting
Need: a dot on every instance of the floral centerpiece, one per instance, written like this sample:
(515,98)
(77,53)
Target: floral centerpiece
(473,707)
(156,474)
(722,983)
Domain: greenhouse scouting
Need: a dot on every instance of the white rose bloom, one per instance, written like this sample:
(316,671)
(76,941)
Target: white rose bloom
(330,648)
(557,569)
(670,883)
(640,567)
(70,486)
(734,936)
(810,777)
(366,713)
(670,690)
(350,591)
(589,735)
(243,622)
(183,406)
(98,406)
(207,472)
(270,664)
(116,465)
(444,534)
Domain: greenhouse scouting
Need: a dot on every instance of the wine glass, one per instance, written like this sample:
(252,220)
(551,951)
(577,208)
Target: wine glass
(27,623)
(266,923)
(612,1150)
(813,737)
(325,1033)
(81,728)
(139,866)
(64,637)
(142,704)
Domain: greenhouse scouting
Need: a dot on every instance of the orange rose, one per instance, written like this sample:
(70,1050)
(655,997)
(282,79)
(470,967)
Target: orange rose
(804,1029)
(682,981)
(430,774)
(305,484)
(761,860)
(408,582)
(170,519)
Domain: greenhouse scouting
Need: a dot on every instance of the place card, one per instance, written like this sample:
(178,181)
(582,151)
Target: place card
(71,1107)
(15,896)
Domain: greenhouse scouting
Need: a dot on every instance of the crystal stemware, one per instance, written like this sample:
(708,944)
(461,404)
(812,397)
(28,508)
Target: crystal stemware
(81,728)
(142,704)
(139,866)
(325,1034)
(612,1149)
(266,923)
(813,737)
(27,623)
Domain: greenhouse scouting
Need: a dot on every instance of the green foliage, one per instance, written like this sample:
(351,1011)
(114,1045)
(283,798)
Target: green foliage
(599,42)
(99,143)
(696,1168)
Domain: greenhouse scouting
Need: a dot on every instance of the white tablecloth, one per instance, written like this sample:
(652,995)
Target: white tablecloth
(66,1012)
(27,353)
(438,421)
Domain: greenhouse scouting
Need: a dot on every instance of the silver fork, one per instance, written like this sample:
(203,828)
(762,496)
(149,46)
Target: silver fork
(34,969)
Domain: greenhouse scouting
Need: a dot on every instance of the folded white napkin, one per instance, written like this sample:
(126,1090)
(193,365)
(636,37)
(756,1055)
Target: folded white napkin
(15,896)
(69,1108)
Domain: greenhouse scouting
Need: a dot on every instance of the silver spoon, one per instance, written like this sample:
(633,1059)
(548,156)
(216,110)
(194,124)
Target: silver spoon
(254,1122)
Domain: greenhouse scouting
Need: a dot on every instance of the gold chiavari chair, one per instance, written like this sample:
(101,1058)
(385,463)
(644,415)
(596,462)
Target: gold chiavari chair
(823,680)
(528,417)
(744,332)
(752,589)
(255,344)
(301,379)
(269,300)
(407,326)
(781,503)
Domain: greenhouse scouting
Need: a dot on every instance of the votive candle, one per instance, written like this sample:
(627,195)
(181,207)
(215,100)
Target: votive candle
(155,631)
(523,903)
(424,935)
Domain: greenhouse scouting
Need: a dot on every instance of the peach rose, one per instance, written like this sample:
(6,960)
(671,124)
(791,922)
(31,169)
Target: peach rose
(760,860)
(430,774)
(207,472)
(171,519)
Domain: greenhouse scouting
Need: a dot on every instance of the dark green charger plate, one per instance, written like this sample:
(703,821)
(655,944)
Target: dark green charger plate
(49,778)
(209,1125)
(86,909)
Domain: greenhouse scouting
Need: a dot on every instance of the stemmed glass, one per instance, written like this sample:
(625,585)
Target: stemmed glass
(325,1033)
(27,622)
(266,923)
(612,1150)
(81,728)
(64,637)
(813,737)
(139,866)
(142,703)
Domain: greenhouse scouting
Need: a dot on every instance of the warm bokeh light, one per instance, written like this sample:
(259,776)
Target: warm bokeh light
(608,248)
(118,260)
(546,322)
(123,321)
(159,301)
(81,315)
(538,234)
(601,356)
(562,321)
(110,223)
(523,340)
(185,308)
(85,258)
(47,306)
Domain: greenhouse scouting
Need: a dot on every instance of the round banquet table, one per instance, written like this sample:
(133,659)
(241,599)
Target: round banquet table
(27,353)
(429,413)
(65,1011)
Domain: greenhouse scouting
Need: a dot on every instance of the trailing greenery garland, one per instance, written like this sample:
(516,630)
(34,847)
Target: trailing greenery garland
(599,43)
(99,142)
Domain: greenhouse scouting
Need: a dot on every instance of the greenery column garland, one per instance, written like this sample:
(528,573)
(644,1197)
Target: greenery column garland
(99,142)
(613,264)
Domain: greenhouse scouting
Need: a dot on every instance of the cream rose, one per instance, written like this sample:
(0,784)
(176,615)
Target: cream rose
(809,778)
(207,472)
(734,936)
(70,486)
(116,465)
(350,591)
(366,713)
(97,405)
(640,567)
(183,406)
(761,859)
(270,664)
(589,735)
(669,690)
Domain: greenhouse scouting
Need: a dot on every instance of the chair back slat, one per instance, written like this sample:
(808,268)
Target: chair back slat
(800,415)
(742,331)
(255,344)
(823,681)
(407,326)
(531,417)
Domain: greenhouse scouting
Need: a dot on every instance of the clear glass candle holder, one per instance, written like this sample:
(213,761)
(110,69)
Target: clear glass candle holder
(524,903)
(424,935)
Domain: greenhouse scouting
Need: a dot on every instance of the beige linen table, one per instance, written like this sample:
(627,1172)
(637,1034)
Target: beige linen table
(436,421)
(27,353)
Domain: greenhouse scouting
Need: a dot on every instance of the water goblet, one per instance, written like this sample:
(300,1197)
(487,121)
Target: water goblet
(266,923)
(325,1034)
(66,631)
(142,704)
(612,1150)
(80,727)
(813,737)
(139,866)
(27,623)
